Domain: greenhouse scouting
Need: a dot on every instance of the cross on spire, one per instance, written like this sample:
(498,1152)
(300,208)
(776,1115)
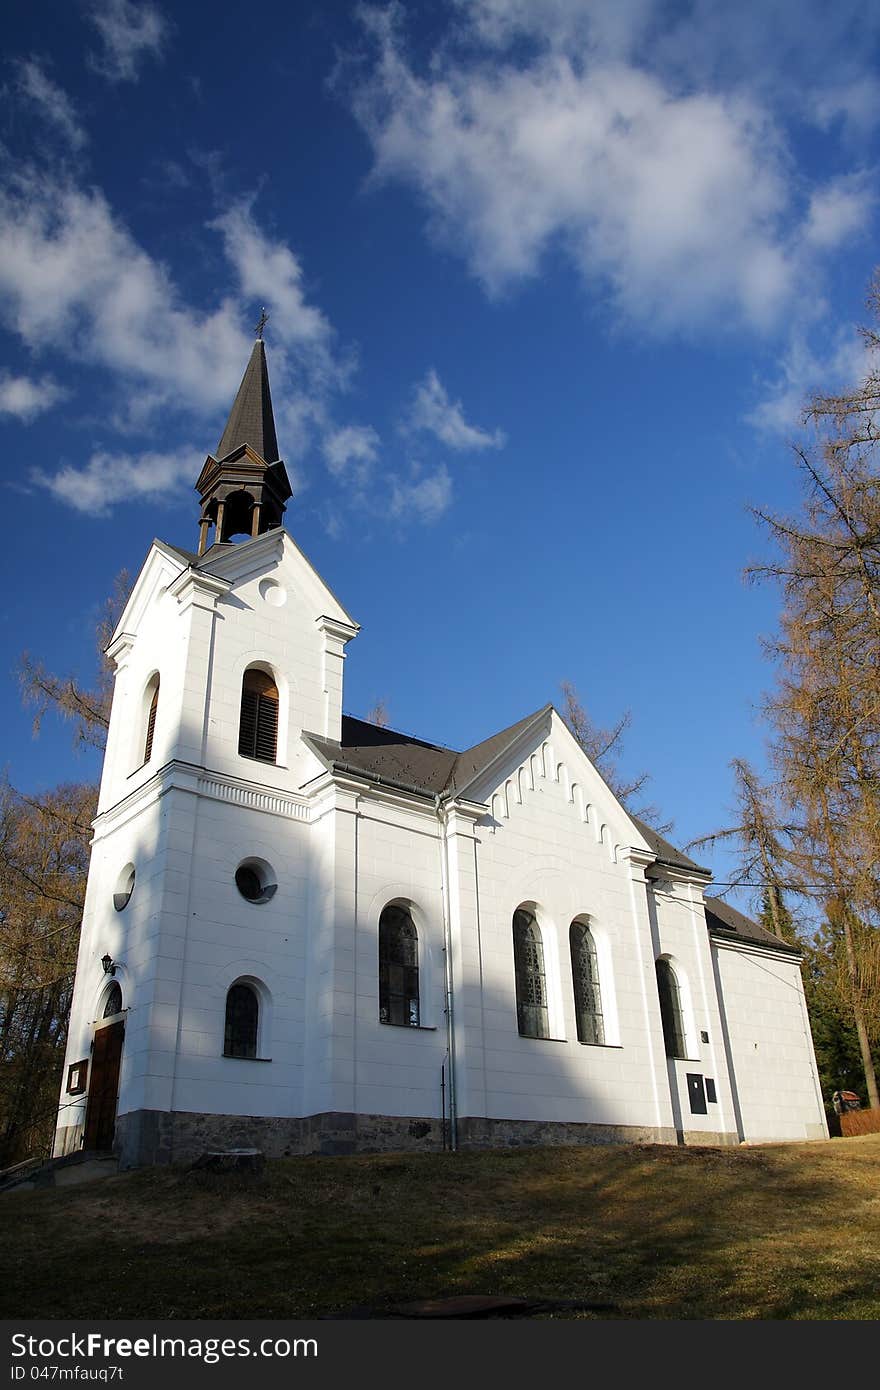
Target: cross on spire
(264,319)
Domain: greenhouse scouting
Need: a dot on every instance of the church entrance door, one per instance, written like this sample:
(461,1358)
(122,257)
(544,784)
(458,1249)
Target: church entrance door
(104,1086)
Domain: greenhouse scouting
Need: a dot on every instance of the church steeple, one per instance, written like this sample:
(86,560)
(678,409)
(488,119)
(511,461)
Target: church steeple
(245,487)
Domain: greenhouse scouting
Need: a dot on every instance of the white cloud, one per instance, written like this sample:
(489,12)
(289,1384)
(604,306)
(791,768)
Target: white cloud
(838,211)
(804,371)
(856,103)
(51,101)
(73,279)
(130,33)
(27,398)
(648,151)
(423,499)
(268,271)
(351,451)
(109,478)
(432,410)
(613,29)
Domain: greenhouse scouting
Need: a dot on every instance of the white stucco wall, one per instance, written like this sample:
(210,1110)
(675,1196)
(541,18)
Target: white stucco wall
(770,1046)
(539,829)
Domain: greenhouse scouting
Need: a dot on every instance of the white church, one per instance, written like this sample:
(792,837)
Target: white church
(307,934)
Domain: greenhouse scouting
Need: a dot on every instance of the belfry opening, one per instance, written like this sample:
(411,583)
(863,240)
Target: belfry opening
(244,488)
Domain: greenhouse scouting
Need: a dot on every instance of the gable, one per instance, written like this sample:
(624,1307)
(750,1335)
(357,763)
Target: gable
(276,555)
(161,567)
(544,752)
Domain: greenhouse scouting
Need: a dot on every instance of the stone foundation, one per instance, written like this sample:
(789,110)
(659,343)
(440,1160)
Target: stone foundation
(146,1137)
(476,1133)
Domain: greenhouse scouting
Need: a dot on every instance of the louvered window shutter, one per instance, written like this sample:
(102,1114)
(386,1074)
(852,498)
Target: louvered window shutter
(151,725)
(258,727)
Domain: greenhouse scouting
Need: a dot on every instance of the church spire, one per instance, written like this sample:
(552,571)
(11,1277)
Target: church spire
(244,487)
(251,420)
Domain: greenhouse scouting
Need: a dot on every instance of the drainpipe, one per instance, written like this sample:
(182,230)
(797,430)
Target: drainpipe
(447,959)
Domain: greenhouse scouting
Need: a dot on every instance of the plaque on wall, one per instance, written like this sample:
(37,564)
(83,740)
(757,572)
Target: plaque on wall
(77,1073)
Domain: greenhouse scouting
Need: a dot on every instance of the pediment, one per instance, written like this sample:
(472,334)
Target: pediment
(161,567)
(275,554)
(544,760)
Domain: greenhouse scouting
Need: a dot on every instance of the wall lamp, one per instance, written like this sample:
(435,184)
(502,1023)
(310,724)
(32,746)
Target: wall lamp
(109,964)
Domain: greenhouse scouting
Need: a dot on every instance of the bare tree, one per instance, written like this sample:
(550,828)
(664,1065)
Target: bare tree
(44,852)
(87,708)
(379,713)
(824,712)
(44,856)
(604,748)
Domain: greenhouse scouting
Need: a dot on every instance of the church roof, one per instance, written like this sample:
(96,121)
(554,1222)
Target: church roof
(725,921)
(473,761)
(428,769)
(667,853)
(400,760)
(251,420)
(386,756)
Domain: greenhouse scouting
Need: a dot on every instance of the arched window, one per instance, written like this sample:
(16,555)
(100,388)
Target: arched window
(398,968)
(242,1017)
(585,977)
(113,1002)
(151,718)
(258,729)
(531,983)
(670,1010)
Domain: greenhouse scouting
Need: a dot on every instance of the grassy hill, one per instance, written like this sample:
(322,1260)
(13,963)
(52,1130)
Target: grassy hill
(779,1231)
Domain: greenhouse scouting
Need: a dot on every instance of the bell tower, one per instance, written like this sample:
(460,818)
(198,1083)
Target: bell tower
(244,489)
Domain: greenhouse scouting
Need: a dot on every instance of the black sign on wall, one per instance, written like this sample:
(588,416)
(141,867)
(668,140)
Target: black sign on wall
(697,1093)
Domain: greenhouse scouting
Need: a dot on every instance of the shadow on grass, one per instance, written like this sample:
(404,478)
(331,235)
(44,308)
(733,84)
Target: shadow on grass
(657,1232)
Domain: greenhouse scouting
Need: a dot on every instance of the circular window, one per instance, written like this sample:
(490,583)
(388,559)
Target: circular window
(255,880)
(124,887)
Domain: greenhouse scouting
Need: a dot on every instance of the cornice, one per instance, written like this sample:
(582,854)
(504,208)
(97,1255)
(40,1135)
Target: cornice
(333,627)
(200,781)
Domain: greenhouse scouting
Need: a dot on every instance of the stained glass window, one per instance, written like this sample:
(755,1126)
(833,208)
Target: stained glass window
(670,1010)
(585,976)
(531,983)
(398,968)
(113,1002)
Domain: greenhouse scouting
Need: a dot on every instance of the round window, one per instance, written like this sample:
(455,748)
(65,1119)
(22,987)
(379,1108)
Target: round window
(124,887)
(255,880)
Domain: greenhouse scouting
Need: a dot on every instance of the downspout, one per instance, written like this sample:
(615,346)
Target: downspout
(447,970)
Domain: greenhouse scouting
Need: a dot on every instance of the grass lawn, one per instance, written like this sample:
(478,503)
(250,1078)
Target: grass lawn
(780,1231)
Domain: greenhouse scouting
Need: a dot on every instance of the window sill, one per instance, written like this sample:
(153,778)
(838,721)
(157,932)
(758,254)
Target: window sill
(231,1057)
(529,1037)
(411,1027)
(264,762)
(612,1047)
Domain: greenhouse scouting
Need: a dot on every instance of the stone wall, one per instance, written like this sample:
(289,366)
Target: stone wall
(147,1137)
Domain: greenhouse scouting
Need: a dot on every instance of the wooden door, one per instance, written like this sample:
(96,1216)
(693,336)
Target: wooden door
(104,1086)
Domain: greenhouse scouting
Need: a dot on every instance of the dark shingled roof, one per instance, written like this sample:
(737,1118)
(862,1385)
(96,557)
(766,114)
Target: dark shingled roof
(386,756)
(665,852)
(189,557)
(724,920)
(472,761)
(251,420)
(403,761)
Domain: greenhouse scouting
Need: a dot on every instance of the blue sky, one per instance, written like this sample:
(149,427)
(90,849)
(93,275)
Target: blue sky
(548,281)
